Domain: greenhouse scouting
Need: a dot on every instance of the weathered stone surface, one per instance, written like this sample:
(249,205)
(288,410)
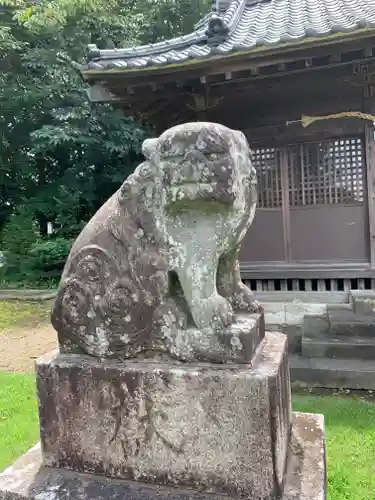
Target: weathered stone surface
(332,373)
(218,429)
(339,307)
(274,315)
(237,343)
(306,477)
(304,297)
(315,326)
(339,347)
(295,312)
(363,302)
(160,258)
(28,479)
(294,334)
(349,324)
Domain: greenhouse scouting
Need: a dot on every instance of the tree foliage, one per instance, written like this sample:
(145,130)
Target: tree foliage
(61,156)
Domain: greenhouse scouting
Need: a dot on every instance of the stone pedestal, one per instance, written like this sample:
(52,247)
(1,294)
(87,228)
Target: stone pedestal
(139,430)
(214,428)
(29,479)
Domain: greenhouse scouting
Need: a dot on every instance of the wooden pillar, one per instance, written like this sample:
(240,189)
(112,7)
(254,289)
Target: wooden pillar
(369,107)
(284,164)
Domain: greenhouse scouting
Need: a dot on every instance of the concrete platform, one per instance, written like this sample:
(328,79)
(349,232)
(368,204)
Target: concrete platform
(363,302)
(340,347)
(332,373)
(28,479)
(349,324)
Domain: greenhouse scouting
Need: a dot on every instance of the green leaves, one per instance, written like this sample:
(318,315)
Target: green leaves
(62,157)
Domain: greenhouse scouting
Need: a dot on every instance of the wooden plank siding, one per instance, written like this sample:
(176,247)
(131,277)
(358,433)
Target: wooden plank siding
(327,210)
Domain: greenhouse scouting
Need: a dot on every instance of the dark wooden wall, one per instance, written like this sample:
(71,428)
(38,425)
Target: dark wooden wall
(316,207)
(316,184)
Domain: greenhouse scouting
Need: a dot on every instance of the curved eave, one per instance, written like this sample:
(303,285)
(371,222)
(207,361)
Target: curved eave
(256,52)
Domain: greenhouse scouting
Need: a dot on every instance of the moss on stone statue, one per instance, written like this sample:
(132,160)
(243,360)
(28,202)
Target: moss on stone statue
(200,206)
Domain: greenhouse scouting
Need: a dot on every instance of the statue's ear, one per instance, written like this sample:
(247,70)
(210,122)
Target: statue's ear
(149,148)
(242,137)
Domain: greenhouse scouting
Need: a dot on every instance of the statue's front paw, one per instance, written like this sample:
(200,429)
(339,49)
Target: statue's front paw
(222,312)
(172,314)
(245,301)
(256,307)
(214,313)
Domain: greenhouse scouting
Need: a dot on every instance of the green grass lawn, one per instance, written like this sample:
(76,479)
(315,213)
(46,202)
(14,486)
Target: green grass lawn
(21,312)
(350,433)
(350,439)
(18,416)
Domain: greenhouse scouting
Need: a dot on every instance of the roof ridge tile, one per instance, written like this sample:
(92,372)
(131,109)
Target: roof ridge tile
(242,26)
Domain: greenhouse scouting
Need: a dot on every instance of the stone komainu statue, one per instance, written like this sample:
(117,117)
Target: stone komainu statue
(158,263)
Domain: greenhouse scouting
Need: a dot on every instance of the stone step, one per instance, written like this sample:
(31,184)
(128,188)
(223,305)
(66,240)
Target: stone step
(303,297)
(363,302)
(337,308)
(315,326)
(284,313)
(332,373)
(339,347)
(349,324)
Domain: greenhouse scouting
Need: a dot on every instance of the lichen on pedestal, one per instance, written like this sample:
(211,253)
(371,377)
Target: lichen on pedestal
(211,427)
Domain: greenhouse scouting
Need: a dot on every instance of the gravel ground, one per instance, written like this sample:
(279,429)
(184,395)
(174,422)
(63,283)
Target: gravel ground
(21,346)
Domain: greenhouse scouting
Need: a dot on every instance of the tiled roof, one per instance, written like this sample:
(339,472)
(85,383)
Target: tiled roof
(243,26)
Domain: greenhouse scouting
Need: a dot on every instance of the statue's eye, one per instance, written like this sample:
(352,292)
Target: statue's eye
(165,147)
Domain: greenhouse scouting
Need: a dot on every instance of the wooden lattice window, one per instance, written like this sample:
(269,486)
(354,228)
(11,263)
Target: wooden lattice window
(329,172)
(267,165)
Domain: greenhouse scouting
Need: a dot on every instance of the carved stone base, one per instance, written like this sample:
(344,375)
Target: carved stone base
(215,428)
(237,344)
(28,479)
